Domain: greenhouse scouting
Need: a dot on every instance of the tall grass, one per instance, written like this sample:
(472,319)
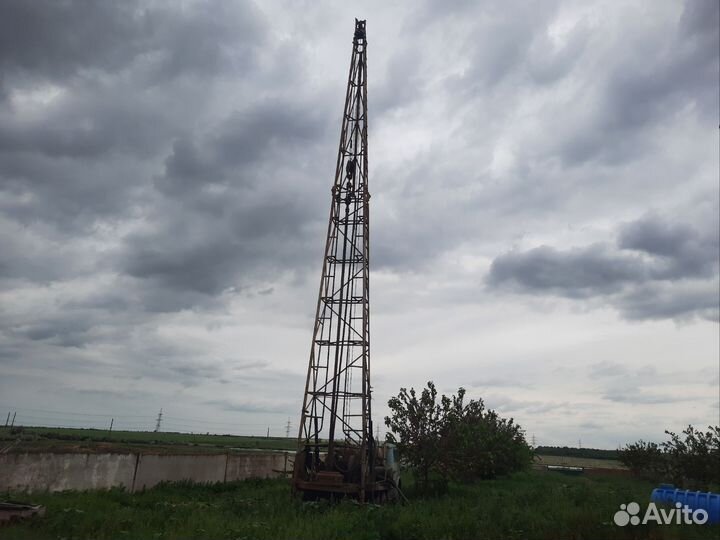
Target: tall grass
(533,505)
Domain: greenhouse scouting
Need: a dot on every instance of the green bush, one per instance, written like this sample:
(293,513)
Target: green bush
(454,439)
(478,444)
(695,459)
(416,426)
(691,459)
(646,459)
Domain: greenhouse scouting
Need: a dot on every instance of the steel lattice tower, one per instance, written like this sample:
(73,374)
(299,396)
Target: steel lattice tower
(336,421)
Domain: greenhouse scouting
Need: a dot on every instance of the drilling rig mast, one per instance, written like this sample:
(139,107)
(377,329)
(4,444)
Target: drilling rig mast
(336,449)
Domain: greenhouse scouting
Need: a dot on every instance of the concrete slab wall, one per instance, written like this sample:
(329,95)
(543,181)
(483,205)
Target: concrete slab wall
(244,466)
(153,469)
(56,472)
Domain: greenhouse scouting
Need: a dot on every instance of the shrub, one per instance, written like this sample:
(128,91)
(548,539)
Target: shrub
(416,424)
(692,461)
(459,440)
(479,444)
(646,459)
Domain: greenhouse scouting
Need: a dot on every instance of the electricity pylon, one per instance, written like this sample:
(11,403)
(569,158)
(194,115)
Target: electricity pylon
(335,442)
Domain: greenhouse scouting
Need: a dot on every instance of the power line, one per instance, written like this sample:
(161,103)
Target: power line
(43,418)
(98,427)
(116,416)
(119,429)
(118,422)
(201,421)
(72,413)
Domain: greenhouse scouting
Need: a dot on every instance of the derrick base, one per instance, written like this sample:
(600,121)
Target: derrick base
(314,477)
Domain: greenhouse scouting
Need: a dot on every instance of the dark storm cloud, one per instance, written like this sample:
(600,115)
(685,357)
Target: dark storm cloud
(662,76)
(267,131)
(685,251)
(656,237)
(35,37)
(240,200)
(253,407)
(658,270)
(92,84)
(663,300)
(576,273)
(56,40)
(27,255)
(402,83)
(63,331)
(503,49)
(271,128)
(165,171)
(85,157)
(567,154)
(86,126)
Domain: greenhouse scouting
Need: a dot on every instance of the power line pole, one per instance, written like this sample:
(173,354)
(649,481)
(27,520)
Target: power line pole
(533,441)
(287,429)
(13,420)
(579,443)
(112,420)
(159,421)
(7,420)
(268,433)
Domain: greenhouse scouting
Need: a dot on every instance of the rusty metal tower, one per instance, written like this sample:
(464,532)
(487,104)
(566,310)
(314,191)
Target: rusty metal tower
(335,445)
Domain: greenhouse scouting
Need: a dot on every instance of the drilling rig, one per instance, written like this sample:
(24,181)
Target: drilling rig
(337,454)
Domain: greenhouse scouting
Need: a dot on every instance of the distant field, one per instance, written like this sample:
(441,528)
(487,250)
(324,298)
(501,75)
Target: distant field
(39,439)
(535,505)
(579,462)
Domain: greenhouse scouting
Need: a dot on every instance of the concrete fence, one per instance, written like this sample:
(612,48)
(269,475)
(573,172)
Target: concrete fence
(56,472)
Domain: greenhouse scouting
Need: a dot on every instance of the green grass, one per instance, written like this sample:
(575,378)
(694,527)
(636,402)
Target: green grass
(532,505)
(40,439)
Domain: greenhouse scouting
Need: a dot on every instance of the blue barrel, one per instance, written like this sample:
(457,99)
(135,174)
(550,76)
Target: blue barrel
(695,500)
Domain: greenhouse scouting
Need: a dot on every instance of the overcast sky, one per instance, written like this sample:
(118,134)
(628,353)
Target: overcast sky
(544,180)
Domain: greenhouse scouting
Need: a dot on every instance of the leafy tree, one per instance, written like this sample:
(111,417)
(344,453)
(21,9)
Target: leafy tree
(479,444)
(415,425)
(458,439)
(695,459)
(646,459)
(691,459)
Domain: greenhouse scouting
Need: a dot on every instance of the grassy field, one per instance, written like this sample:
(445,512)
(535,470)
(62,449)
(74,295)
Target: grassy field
(571,461)
(40,439)
(532,505)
